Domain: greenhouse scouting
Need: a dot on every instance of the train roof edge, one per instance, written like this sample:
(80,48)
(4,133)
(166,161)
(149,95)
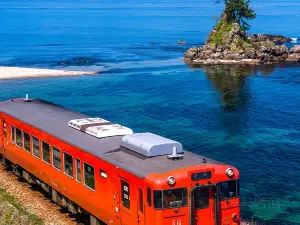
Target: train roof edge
(53,119)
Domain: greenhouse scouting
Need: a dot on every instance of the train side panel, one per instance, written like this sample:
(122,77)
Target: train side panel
(105,202)
(1,135)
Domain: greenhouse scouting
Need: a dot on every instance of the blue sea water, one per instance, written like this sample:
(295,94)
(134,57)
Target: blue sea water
(249,118)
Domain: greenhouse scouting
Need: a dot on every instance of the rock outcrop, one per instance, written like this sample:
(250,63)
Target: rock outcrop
(228,44)
(294,54)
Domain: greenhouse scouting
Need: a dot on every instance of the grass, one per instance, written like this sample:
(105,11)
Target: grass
(12,212)
(223,28)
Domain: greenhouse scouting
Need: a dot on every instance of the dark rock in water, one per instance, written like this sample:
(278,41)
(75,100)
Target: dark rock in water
(294,55)
(79,61)
(181,42)
(278,39)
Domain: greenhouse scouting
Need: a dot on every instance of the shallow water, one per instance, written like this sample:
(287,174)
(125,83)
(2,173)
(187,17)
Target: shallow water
(249,118)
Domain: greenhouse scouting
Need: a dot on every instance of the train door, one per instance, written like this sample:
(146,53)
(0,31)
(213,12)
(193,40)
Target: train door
(140,207)
(203,209)
(125,202)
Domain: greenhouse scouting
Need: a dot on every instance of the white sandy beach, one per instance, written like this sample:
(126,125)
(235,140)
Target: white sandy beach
(18,72)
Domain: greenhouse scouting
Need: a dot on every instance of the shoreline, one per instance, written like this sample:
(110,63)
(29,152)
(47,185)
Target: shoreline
(22,72)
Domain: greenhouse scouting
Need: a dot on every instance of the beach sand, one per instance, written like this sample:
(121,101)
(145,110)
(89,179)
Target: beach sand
(18,72)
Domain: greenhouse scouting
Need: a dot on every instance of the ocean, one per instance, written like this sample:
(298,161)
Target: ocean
(246,117)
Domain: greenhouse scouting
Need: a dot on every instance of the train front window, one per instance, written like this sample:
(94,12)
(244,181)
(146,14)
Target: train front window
(172,198)
(228,189)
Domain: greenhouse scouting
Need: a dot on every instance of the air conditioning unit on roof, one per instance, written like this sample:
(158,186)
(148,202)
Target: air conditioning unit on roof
(99,128)
(108,130)
(82,124)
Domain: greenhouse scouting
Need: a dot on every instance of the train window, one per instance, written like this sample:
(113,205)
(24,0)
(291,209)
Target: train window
(89,176)
(13,134)
(125,194)
(36,147)
(228,189)
(201,198)
(158,200)
(4,129)
(46,152)
(172,198)
(78,170)
(56,158)
(68,164)
(141,201)
(19,141)
(149,197)
(26,142)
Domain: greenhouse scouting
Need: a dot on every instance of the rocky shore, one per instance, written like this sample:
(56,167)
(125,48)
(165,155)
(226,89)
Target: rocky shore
(229,44)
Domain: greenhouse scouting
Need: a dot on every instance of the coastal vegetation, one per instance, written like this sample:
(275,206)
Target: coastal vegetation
(238,11)
(11,212)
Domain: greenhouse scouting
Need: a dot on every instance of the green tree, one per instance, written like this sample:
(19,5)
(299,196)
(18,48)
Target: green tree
(238,11)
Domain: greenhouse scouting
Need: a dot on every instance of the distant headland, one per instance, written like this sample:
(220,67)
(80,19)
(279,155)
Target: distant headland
(228,42)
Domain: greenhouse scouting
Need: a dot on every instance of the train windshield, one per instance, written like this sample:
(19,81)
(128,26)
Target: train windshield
(172,198)
(228,189)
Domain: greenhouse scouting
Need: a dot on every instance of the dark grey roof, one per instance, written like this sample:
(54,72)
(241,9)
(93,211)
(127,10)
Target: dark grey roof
(53,119)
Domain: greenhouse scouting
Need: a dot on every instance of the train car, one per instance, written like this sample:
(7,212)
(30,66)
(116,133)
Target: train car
(117,176)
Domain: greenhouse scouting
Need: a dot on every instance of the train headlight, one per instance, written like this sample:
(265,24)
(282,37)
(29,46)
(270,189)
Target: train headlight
(230,172)
(171,180)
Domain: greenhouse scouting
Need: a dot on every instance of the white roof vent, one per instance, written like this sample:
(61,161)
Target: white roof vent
(82,124)
(108,130)
(99,128)
(150,145)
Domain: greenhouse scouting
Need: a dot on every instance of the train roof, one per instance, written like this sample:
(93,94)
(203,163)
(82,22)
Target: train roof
(53,120)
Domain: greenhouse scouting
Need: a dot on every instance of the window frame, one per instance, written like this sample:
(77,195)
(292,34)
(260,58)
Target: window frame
(32,147)
(60,158)
(122,194)
(42,145)
(237,181)
(78,160)
(85,163)
(65,166)
(21,138)
(162,191)
(13,134)
(4,127)
(141,201)
(208,191)
(149,196)
(30,141)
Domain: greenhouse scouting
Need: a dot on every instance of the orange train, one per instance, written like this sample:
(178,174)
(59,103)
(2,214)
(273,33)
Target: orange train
(117,176)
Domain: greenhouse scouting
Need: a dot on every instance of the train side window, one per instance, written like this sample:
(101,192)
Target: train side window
(89,176)
(36,147)
(13,134)
(4,128)
(26,142)
(56,158)
(46,152)
(141,201)
(149,197)
(125,194)
(19,141)
(78,170)
(68,165)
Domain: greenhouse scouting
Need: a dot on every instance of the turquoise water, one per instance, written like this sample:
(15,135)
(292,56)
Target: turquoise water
(249,118)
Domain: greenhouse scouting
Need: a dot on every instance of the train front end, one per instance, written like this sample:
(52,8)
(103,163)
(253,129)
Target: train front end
(197,195)
(184,188)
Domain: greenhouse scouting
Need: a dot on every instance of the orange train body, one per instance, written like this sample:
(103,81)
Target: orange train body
(136,190)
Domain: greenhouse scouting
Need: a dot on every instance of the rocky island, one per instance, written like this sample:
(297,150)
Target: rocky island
(229,43)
